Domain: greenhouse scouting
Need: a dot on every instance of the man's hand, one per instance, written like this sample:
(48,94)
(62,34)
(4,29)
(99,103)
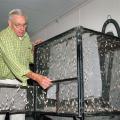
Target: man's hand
(36,42)
(43,81)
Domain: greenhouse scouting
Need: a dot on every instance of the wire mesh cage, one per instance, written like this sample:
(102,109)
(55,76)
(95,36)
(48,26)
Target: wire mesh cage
(79,57)
(16,99)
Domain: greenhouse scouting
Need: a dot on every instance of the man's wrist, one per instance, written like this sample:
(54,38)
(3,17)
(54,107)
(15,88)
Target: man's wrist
(33,76)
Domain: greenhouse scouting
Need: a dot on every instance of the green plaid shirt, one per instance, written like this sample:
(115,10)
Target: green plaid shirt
(15,55)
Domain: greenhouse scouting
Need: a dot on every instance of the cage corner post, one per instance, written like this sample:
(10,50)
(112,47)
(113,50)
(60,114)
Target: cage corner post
(80,73)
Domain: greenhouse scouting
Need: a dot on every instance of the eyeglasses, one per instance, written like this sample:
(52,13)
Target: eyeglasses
(20,25)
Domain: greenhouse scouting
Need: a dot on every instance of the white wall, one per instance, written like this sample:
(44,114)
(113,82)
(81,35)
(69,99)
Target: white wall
(58,26)
(91,15)
(94,14)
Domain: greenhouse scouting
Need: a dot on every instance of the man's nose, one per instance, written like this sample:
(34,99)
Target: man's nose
(22,28)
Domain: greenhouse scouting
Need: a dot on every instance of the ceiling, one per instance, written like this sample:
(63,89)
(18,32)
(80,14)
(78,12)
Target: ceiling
(39,12)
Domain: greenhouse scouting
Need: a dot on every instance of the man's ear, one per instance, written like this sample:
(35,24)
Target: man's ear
(9,23)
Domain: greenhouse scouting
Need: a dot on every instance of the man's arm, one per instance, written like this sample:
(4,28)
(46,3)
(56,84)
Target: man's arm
(43,81)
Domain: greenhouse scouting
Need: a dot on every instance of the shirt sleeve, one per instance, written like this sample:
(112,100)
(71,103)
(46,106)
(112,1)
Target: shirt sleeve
(13,63)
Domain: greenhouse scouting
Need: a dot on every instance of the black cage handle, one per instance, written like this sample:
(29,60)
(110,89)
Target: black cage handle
(114,22)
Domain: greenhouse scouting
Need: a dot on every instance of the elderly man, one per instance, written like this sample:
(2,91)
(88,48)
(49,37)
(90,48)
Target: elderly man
(15,57)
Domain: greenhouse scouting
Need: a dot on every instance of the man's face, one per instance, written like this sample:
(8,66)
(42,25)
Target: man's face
(18,24)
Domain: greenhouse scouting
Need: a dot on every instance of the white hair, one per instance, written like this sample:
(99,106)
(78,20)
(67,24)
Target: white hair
(16,12)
